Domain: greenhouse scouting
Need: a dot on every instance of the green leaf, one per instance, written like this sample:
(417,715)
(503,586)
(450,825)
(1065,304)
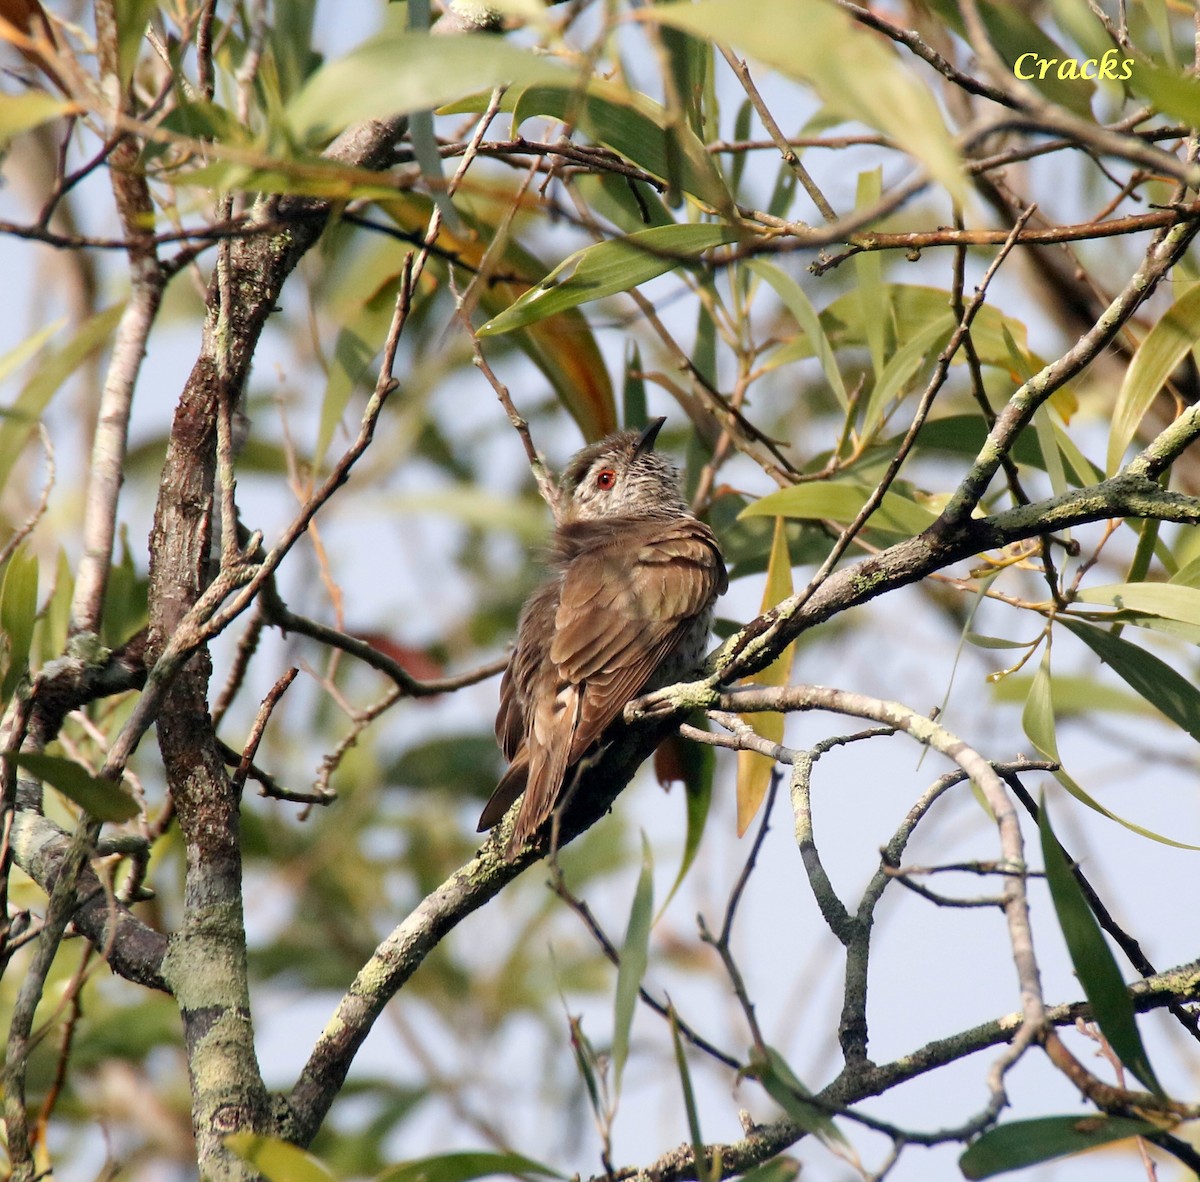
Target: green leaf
(608,268)
(631,124)
(478,507)
(1165,346)
(1022,1143)
(398,72)
(18,614)
(462,1167)
(1038,721)
(634,958)
(868,269)
(1173,601)
(291,34)
(17,422)
(278,1161)
(18,355)
(913,307)
(699,1156)
(801,308)
(978,640)
(964,435)
(778,1169)
(812,43)
(461,762)
(755,770)
(126,605)
(201,119)
(586,1061)
(1093,960)
(56,614)
(22,112)
(903,364)
(132,18)
(633,398)
(1172,92)
(1013,33)
(105,800)
(841,501)
(1153,678)
(699,766)
(1079,697)
(770,1068)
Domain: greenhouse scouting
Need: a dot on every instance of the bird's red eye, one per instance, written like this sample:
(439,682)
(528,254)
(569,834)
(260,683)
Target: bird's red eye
(606,478)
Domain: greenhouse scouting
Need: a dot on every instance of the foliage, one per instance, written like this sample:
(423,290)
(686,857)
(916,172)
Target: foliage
(326,281)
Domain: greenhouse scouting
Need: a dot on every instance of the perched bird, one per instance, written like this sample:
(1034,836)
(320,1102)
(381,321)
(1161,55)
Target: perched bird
(628,609)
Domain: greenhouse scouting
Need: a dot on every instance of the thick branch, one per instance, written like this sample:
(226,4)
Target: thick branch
(134,950)
(206,966)
(1129,494)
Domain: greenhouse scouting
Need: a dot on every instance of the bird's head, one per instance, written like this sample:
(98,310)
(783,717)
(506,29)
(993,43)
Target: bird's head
(621,476)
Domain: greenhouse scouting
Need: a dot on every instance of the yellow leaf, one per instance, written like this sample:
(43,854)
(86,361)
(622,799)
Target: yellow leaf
(754,770)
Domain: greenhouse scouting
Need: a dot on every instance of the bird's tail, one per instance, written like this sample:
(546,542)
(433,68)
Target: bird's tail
(511,785)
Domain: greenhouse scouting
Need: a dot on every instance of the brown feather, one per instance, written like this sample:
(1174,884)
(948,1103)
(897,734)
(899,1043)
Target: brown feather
(629,591)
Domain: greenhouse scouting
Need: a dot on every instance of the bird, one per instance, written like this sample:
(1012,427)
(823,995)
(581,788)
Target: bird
(627,609)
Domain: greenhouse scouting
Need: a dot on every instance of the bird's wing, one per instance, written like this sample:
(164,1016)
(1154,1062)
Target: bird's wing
(588,642)
(517,686)
(626,603)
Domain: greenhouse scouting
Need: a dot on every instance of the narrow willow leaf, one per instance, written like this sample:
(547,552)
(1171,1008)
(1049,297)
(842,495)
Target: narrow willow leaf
(633,396)
(587,1061)
(20,419)
(811,43)
(1093,960)
(1188,575)
(635,953)
(770,1068)
(778,1169)
(631,124)
(1038,721)
(1022,1143)
(19,354)
(105,800)
(703,1171)
(1013,32)
(1085,472)
(18,614)
(699,766)
(278,1161)
(1043,425)
(1173,93)
(800,306)
(1165,346)
(463,1167)
(563,347)
(132,18)
(608,268)
(979,640)
(901,367)
(914,306)
(868,268)
(56,614)
(23,112)
(1174,601)
(1153,678)
(754,769)
(1076,696)
(398,72)
(964,435)
(840,501)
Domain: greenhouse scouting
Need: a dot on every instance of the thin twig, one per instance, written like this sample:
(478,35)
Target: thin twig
(269,703)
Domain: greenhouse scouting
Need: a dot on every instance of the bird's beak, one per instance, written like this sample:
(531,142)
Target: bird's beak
(646,440)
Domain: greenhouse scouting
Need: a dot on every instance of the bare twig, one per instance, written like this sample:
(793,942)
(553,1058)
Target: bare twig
(260,724)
